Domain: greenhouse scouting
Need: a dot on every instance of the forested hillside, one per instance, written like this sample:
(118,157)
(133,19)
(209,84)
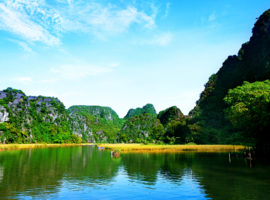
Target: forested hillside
(175,126)
(30,119)
(251,64)
(143,128)
(95,123)
(148,108)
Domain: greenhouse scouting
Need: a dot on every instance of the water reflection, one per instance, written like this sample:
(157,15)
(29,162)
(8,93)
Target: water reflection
(85,172)
(142,167)
(42,170)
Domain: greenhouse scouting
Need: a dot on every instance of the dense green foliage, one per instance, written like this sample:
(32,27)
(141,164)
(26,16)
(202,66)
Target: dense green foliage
(177,132)
(172,113)
(249,112)
(169,126)
(95,123)
(148,108)
(33,119)
(251,64)
(44,119)
(143,128)
(175,126)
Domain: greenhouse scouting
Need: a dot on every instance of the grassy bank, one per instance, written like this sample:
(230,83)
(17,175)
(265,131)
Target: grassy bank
(136,147)
(172,148)
(33,146)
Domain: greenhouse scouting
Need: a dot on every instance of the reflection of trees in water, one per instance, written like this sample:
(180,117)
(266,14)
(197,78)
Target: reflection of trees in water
(42,170)
(147,167)
(215,175)
(235,180)
(175,166)
(142,167)
(95,166)
(37,171)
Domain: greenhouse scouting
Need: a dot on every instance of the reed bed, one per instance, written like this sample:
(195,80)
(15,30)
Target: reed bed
(149,148)
(152,148)
(4,147)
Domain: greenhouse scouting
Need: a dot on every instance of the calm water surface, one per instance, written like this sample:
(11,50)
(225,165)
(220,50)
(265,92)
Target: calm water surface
(86,173)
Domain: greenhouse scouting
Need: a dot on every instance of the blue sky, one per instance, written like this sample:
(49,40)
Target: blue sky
(121,54)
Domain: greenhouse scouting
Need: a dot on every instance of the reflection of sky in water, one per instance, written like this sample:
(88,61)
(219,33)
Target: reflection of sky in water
(86,173)
(123,187)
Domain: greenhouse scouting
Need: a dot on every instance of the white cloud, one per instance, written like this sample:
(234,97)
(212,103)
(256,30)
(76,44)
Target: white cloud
(160,40)
(41,21)
(73,72)
(94,17)
(212,17)
(167,9)
(23,45)
(163,39)
(19,23)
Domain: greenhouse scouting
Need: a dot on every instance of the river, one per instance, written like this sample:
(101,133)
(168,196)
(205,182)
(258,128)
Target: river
(83,172)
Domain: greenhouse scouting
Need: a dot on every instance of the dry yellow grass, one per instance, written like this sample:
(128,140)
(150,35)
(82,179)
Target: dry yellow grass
(135,147)
(33,146)
(172,148)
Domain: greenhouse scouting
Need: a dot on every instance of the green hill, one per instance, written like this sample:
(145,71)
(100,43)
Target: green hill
(251,64)
(169,114)
(95,123)
(175,126)
(30,119)
(148,108)
(141,128)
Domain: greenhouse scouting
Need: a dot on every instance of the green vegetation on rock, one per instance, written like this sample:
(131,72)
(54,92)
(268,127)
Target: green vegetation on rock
(175,124)
(251,64)
(143,128)
(148,108)
(169,126)
(28,119)
(172,113)
(95,123)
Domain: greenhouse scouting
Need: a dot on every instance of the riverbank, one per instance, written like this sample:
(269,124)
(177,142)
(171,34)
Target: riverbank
(135,147)
(4,147)
(153,148)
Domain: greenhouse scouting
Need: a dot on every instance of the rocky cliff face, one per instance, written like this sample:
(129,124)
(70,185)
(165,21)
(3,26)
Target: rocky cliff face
(251,64)
(32,119)
(3,114)
(94,123)
(26,119)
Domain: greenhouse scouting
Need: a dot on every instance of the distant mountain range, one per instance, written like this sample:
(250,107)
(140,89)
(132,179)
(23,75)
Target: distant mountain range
(30,119)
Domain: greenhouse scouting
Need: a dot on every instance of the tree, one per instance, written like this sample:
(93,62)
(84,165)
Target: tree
(249,112)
